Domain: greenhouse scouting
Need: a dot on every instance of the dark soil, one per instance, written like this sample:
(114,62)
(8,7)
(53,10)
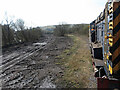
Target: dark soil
(30,66)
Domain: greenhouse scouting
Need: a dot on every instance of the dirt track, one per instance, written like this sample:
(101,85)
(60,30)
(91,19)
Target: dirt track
(33,65)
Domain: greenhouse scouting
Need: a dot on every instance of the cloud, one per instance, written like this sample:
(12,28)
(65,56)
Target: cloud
(50,12)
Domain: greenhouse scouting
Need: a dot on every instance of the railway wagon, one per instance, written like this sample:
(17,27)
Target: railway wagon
(104,37)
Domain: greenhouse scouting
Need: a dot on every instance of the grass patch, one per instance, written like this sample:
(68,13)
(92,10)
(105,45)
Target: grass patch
(77,64)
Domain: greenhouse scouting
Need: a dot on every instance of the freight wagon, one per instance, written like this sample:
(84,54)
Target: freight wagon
(104,38)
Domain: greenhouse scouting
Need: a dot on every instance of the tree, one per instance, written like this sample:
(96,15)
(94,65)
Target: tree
(61,30)
(19,24)
(7,33)
(15,32)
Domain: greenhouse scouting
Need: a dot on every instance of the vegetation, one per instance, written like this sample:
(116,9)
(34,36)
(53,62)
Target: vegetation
(80,29)
(61,30)
(14,33)
(77,64)
(76,60)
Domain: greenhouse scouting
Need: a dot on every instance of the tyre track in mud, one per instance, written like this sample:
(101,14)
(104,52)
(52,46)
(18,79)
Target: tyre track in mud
(35,68)
(15,58)
(7,74)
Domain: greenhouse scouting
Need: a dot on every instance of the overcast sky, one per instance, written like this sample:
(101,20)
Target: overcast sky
(52,12)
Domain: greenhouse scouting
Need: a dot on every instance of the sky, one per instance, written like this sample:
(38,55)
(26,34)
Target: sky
(51,12)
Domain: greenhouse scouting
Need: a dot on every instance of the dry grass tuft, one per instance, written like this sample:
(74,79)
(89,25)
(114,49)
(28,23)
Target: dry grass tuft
(77,65)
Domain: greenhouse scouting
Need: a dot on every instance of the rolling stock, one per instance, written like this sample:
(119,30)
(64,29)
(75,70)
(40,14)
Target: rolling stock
(104,37)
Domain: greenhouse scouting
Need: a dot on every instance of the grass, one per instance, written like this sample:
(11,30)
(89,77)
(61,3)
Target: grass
(77,64)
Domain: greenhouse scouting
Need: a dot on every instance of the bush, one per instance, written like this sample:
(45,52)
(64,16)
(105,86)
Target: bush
(10,36)
(81,29)
(60,30)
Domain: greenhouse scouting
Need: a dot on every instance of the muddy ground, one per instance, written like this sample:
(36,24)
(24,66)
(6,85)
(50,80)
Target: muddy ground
(33,65)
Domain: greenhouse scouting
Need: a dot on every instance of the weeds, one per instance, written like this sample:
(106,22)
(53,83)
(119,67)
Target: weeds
(77,64)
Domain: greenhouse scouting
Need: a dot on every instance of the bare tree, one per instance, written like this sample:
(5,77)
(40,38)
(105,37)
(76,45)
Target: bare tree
(19,24)
(8,19)
(15,32)
(7,30)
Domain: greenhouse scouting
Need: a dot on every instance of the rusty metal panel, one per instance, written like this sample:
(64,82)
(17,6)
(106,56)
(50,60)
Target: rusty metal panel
(108,84)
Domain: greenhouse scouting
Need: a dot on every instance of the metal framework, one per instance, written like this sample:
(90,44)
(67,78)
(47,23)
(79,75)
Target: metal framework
(104,36)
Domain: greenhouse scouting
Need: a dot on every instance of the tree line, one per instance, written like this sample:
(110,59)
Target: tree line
(15,33)
(63,29)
